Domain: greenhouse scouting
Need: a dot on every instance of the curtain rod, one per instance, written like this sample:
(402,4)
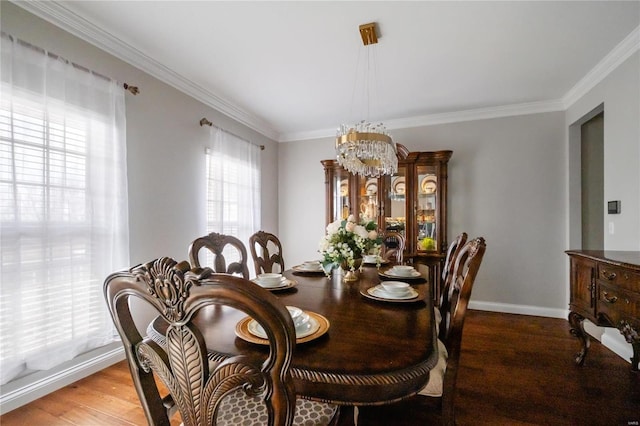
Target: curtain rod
(134,90)
(205,122)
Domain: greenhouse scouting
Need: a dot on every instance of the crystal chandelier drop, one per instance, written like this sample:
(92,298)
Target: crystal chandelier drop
(365,148)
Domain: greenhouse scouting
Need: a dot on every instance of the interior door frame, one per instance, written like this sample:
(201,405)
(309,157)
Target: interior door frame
(575,177)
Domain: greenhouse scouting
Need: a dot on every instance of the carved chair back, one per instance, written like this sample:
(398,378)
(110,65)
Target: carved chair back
(455,299)
(266,252)
(218,244)
(393,247)
(449,263)
(198,386)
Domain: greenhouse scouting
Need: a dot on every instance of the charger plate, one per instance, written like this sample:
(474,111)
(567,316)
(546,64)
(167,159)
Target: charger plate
(242,330)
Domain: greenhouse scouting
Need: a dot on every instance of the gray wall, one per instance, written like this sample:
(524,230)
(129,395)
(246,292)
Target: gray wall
(618,95)
(619,92)
(165,145)
(505,183)
(509,177)
(166,176)
(511,180)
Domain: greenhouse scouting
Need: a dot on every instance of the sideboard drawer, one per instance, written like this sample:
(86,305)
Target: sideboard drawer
(621,277)
(618,304)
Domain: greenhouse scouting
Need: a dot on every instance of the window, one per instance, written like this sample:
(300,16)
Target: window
(233,186)
(63,207)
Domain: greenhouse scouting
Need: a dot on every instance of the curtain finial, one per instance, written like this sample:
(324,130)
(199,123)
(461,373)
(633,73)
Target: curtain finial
(133,89)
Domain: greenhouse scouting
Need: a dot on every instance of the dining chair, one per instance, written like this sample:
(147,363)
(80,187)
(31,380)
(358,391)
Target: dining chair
(217,245)
(435,402)
(452,254)
(237,391)
(393,243)
(262,245)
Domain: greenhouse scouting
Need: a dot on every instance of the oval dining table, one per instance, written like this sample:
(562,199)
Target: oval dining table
(374,352)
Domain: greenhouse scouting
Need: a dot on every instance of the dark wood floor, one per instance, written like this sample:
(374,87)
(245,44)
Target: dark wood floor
(515,370)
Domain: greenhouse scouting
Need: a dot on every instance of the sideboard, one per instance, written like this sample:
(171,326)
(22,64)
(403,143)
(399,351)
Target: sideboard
(605,289)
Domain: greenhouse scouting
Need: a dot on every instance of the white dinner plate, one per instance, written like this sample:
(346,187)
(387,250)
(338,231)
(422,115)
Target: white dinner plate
(380,293)
(381,261)
(304,330)
(389,274)
(301,268)
(284,283)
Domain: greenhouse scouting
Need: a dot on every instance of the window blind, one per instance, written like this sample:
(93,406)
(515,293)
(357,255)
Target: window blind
(63,209)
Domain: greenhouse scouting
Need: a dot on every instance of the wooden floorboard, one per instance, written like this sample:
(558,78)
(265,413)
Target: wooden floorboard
(515,370)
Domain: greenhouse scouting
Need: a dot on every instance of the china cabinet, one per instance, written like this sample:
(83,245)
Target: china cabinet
(412,202)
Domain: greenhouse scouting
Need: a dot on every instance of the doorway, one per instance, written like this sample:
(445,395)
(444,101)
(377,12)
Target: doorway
(592,182)
(586,181)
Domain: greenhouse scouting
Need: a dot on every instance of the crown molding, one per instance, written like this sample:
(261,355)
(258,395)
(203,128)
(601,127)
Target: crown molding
(444,118)
(617,56)
(62,17)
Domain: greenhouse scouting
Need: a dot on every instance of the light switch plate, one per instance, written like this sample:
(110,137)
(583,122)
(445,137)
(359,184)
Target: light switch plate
(613,207)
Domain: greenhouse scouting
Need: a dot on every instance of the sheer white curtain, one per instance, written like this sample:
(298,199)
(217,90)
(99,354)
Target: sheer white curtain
(63,207)
(233,185)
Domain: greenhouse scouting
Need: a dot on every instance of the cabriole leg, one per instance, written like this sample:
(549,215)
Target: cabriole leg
(631,336)
(577,330)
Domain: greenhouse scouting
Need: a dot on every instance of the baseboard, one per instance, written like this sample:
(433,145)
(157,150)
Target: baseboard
(613,340)
(609,337)
(24,390)
(509,308)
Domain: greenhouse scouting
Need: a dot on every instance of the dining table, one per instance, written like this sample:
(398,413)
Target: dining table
(368,350)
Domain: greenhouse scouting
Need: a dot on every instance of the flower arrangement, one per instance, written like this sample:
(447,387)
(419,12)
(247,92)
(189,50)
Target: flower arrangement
(346,241)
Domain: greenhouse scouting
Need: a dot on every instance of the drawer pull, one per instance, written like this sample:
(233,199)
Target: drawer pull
(608,299)
(609,275)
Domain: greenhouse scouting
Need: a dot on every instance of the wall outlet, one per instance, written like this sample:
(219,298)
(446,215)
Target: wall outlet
(611,228)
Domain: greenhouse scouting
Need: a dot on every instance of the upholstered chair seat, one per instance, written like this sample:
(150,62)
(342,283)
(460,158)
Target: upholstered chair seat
(240,410)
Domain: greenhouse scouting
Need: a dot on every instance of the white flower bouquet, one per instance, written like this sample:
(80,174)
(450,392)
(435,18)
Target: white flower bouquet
(347,241)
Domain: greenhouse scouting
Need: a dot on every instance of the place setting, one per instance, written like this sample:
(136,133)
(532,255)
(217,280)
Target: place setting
(392,291)
(401,271)
(309,267)
(274,282)
(308,326)
(373,260)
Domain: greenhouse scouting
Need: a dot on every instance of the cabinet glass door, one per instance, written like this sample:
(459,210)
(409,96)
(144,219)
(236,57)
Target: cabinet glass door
(368,209)
(341,206)
(427,207)
(395,201)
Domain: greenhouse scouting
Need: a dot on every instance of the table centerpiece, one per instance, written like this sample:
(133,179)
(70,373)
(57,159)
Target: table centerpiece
(345,243)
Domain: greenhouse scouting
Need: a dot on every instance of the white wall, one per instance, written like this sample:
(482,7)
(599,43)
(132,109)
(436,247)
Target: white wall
(505,183)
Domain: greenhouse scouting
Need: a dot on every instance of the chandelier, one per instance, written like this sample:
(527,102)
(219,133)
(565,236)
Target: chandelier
(365,148)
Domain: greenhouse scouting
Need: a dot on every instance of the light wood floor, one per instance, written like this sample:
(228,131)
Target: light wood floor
(515,370)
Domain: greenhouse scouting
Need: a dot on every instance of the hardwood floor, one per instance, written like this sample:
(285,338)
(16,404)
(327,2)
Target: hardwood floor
(515,370)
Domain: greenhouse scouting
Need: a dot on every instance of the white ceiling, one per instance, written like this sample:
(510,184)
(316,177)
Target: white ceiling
(288,69)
